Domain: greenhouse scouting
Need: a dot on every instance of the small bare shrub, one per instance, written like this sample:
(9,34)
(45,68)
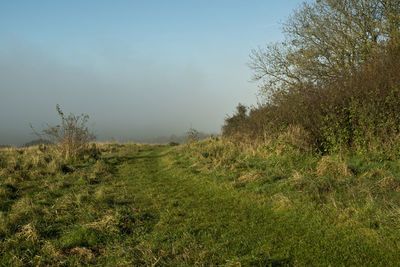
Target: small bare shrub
(72,136)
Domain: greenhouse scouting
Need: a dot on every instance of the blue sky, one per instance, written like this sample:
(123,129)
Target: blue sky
(138,68)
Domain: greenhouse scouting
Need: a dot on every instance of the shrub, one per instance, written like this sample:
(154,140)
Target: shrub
(235,122)
(72,136)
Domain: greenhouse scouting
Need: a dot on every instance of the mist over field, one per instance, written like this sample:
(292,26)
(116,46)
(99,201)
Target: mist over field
(140,70)
(123,104)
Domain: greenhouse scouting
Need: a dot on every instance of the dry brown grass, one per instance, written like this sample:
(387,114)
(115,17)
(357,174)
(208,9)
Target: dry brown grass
(249,177)
(296,138)
(297,180)
(280,202)
(333,165)
(28,232)
(82,252)
(106,223)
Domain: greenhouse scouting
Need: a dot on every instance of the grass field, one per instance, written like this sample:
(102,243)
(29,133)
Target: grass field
(204,204)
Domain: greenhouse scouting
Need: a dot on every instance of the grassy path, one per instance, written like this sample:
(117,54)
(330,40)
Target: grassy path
(142,205)
(202,222)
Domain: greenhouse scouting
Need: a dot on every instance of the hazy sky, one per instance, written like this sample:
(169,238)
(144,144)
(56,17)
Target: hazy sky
(138,68)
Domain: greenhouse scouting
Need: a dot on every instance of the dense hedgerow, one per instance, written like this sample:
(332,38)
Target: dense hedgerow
(359,111)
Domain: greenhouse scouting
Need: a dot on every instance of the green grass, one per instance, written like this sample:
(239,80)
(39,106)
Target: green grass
(207,203)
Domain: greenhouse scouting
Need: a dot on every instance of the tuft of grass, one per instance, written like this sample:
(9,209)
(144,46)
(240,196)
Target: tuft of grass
(333,166)
(80,237)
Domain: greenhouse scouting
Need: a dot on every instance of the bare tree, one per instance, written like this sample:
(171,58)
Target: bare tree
(325,40)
